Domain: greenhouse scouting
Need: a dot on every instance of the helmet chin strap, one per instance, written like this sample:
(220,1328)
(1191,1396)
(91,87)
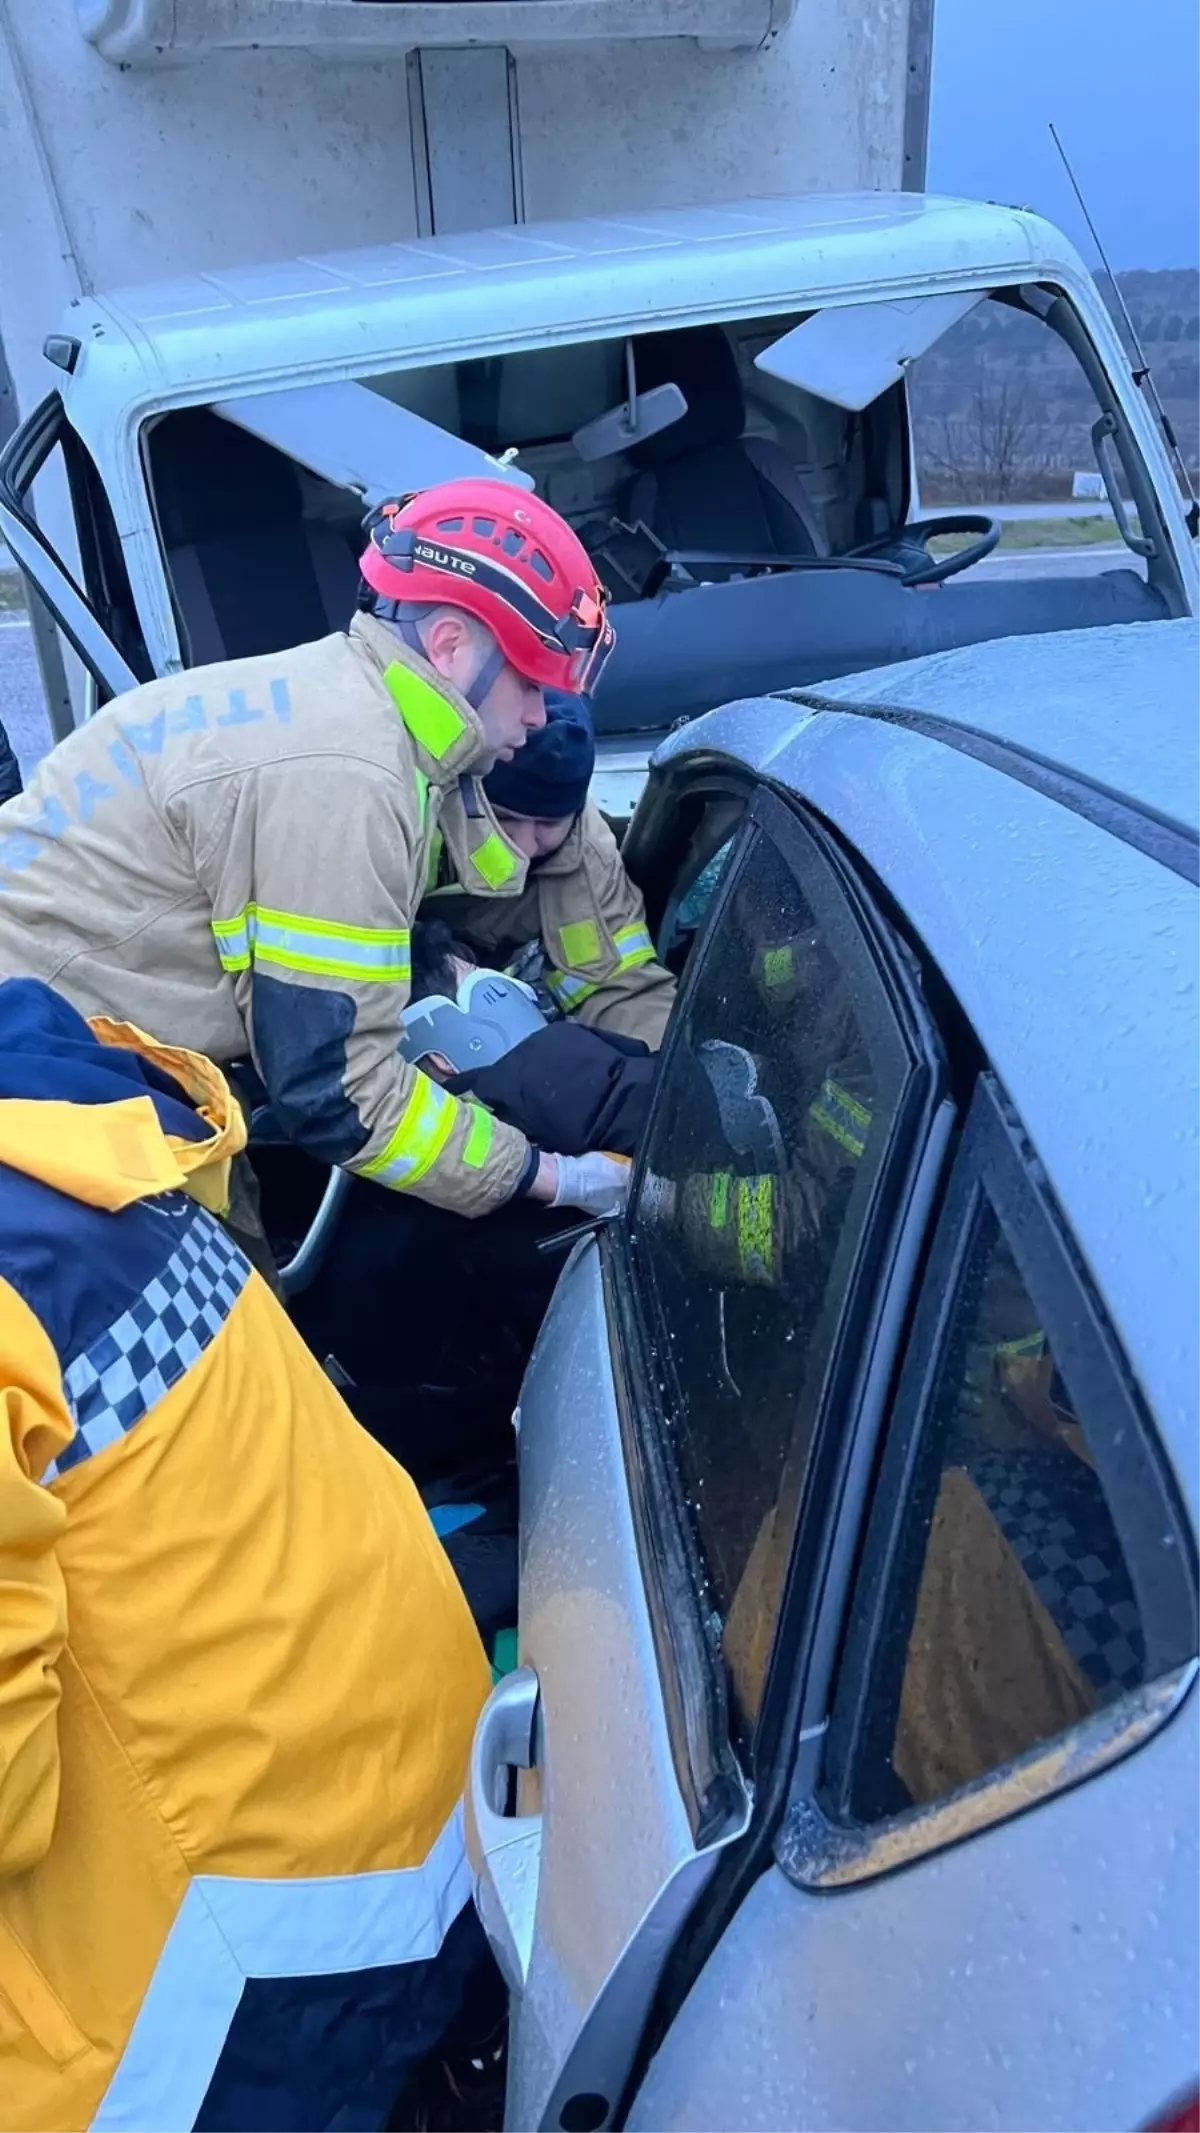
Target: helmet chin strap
(487,677)
(409,631)
(481,687)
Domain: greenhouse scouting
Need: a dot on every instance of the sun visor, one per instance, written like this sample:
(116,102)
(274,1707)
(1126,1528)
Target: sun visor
(357,440)
(851,353)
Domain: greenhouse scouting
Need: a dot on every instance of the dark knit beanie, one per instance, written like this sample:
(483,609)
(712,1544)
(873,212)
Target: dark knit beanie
(550,775)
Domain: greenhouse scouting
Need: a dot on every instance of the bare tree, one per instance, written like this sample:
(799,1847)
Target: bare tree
(987,451)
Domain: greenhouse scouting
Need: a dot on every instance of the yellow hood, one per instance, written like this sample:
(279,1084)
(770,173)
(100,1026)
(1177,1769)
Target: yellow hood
(110,1155)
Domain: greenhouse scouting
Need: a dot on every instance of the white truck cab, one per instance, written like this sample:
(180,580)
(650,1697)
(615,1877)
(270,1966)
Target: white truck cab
(715,397)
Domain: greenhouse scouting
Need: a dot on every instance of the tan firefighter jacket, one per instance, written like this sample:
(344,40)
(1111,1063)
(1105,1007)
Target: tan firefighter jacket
(233,857)
(580,903)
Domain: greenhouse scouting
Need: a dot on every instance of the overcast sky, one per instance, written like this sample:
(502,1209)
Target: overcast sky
(1119,79)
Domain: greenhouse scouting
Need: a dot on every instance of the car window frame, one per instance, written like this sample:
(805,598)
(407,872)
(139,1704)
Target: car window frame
(22,459)
(654,850)
(690,1662)
(690,1671)
(821,1846)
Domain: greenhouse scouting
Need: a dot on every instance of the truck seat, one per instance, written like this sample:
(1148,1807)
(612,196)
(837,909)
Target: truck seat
(249,572)
(702,484)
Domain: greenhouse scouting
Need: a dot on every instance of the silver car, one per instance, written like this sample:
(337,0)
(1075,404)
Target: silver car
(849,1775)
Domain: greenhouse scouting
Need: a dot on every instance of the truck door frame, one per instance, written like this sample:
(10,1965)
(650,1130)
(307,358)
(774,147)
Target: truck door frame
(47,576)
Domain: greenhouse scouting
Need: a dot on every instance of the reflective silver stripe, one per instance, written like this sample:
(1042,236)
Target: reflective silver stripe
(634,946)
(129,1367)
(840,1115)
(569,992)
(326,948)
(228,1929)
(426,1123)
(286,940)
(232,936)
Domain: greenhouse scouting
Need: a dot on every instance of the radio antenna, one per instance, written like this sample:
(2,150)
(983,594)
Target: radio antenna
(1143,376)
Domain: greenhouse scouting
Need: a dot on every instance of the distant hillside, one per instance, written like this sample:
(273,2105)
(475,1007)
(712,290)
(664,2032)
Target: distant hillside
(1165,308)
(1001,408)
(1165,304)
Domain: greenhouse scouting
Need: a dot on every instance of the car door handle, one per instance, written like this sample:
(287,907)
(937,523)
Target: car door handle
(505,1849)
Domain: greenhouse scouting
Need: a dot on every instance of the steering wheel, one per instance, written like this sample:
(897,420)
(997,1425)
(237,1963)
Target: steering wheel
(301,1270)
(309,1257)
(907,545)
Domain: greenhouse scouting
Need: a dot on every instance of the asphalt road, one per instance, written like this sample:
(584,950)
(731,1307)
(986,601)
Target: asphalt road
(23,710)
(22,705)
(1059,562)
(1078,507)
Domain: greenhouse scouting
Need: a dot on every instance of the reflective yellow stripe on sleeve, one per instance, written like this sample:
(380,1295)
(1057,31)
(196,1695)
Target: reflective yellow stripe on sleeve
(232,936)
(569,992)
(634,946)
(718,1199)
(840,1115)
(1032,1344)
(426,1123)
(371,954)
(756,1228)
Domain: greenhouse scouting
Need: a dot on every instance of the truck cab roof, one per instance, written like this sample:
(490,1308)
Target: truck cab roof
(348,313)
(719,400)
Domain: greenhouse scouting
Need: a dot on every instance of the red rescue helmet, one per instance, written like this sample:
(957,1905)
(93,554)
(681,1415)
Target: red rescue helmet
(510,560)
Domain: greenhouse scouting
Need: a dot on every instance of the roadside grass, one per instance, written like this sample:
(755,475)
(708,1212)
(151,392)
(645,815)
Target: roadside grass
(1026,533)
(1019,533)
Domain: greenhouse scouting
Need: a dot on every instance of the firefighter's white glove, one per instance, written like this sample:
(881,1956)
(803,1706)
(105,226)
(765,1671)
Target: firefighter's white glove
(597,1184)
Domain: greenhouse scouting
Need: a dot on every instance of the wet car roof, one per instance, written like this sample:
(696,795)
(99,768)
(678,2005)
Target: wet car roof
(1117,706)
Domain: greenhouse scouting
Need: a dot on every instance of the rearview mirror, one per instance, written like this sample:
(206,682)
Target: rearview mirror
(641,416)
(851,353)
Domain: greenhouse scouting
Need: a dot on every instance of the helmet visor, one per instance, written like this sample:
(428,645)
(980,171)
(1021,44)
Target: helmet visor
(587,636)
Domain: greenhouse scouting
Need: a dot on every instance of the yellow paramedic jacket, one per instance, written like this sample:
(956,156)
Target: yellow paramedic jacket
(237,1676)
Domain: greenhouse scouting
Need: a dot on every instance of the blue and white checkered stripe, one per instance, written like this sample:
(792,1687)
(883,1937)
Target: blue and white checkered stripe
(154,1342)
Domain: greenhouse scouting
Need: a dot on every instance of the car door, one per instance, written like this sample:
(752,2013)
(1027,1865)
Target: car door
(684,1412)
(100,624)
(1021,1619)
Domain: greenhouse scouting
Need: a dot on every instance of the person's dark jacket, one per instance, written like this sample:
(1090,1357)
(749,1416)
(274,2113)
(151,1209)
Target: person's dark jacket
(10,769)
(570,1089)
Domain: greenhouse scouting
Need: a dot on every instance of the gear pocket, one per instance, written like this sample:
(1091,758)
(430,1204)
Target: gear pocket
(30,2009)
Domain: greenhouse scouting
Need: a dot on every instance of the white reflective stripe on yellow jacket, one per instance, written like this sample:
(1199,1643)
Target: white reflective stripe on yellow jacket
(229,1929)
(239,1674)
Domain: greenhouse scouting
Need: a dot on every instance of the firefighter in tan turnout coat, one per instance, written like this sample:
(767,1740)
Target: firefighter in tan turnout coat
(233,857)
